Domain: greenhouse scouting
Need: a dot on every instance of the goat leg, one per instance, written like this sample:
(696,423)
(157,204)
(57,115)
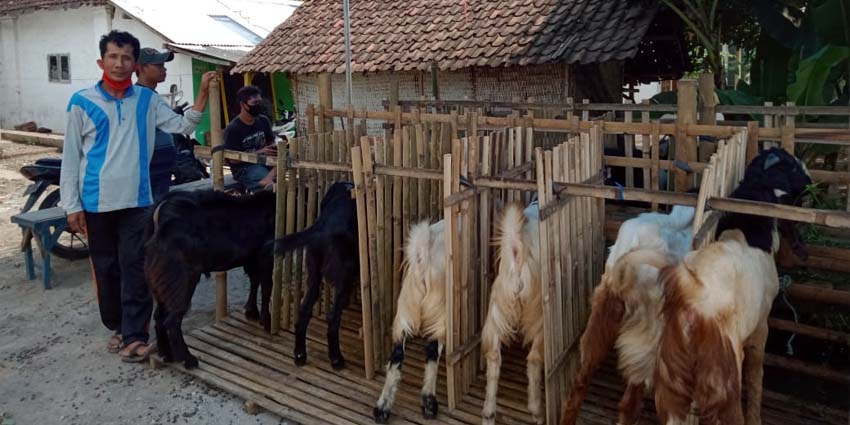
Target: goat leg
(606,315)
(265,305)
(631,404)
(491,344)
(534,369)
(305,312)
(180,350)
(753,373)
(429,383)
(162,339)
(381,412)
(251,311)
(341,301)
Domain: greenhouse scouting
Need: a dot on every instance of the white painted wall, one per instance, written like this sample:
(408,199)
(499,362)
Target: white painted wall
(27,40)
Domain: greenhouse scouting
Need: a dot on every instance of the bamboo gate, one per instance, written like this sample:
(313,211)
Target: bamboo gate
(415,173)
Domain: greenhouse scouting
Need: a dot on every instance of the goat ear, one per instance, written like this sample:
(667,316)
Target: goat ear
(771,160)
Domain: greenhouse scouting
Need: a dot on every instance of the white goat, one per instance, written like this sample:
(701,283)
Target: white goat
(421,312)
(516,305)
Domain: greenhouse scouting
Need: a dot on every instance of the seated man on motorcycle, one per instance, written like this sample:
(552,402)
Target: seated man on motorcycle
(251,132)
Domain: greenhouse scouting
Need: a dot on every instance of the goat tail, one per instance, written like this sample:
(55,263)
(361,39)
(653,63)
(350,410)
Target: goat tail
(606,317)
(294,241)
(696,359)
(511,228)
(626,272)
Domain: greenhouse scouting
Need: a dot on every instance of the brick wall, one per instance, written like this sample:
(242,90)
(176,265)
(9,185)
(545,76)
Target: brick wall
(542,83)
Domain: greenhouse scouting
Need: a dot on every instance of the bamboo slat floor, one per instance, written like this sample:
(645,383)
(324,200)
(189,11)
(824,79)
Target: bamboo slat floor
(239,357)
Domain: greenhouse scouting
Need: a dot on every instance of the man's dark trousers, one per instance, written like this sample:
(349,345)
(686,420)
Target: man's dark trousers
(116,247)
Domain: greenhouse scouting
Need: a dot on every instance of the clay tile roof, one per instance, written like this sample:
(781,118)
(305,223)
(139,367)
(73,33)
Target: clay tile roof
(13,7)
(403,35)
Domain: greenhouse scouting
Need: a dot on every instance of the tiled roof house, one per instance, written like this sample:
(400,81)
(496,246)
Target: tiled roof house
(498,50)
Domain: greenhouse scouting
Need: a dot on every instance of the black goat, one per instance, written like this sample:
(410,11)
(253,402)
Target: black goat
(332,252)
(194,233)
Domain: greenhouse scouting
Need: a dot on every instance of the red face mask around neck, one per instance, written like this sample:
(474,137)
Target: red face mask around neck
(117,85)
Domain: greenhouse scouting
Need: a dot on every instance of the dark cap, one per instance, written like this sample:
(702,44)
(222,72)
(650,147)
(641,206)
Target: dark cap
(149,56)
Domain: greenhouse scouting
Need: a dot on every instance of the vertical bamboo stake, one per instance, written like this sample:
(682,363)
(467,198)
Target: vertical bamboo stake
(290,228)
(752,140)
(545,276)
(298,255)
(385,307)
(686,147)
(484,223)
(768,123)
(279,232)
(788,130)
(365,282)
(585,113)
(645,145)
(406,182)
(451,230)
(655,140)
(311,120)
(374,268)
(434,149)
(421,157)
(397,198)
(216,140)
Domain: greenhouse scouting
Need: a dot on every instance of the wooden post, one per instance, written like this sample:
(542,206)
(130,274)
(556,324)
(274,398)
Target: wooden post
(326,99)
(449,167)
(686,148)
(768,123)
(788,129)
(752,140)
(248,78)
(216,140)
(279,231)
(707,99)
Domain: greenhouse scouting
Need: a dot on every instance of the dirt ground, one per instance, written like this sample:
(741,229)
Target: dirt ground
(54,367)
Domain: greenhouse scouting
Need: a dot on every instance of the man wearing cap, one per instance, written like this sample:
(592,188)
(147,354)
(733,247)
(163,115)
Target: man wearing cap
(151,71)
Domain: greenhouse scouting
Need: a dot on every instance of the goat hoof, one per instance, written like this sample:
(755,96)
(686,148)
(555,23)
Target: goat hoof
(266,321)
(252,315)
(429,406)
(381,416)
(167,359)
(338,363)
(191,362)
(488,419)
(300,358)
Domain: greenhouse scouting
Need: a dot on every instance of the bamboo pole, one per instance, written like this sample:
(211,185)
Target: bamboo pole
(279,232)
(217,140)
(686,147)
(365,281)
(451,231)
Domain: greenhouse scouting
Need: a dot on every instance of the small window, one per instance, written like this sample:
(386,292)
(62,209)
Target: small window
(59,68)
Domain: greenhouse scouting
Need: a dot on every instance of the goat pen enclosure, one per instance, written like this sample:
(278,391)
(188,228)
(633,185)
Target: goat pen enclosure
(401,184)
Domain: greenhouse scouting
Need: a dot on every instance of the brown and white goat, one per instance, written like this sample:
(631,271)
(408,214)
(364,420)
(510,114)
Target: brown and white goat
(421,311)
(716,303)
(626,307)
(516,306)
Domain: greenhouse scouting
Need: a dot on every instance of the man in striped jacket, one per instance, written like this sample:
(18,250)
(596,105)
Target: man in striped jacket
(105,184)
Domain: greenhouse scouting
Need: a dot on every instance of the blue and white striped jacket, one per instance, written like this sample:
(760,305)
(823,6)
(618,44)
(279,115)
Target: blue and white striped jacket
(108,146)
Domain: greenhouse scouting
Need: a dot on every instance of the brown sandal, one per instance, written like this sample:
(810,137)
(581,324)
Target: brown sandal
(115,343)
(135,352)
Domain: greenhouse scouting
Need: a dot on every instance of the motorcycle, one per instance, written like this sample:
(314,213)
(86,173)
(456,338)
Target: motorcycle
(284,128)
(44,174)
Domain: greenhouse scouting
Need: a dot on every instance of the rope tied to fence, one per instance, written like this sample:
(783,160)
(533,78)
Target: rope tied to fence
(620,191)
(784,283)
